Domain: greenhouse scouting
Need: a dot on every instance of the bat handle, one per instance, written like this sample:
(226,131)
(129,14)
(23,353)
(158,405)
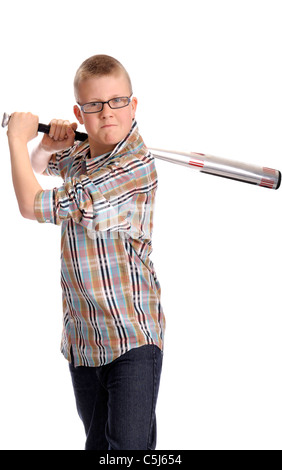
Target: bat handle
(82,136)
(44,128)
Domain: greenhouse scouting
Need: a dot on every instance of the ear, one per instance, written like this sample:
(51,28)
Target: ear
(134,103)
(78,114)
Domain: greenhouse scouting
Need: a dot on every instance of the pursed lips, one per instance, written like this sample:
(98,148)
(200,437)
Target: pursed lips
(108,125)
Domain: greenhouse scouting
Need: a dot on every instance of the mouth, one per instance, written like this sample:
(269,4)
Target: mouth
(108,125)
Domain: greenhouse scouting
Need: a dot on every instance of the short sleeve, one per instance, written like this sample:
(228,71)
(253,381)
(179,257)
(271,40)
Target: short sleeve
(112,199)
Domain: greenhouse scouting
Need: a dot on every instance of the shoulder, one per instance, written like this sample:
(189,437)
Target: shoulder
(140,165)
(133,150)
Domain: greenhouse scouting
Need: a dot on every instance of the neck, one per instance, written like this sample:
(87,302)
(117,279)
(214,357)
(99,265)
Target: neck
(96,150)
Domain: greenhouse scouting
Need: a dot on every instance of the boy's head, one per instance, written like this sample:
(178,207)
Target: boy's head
(99,79)
(99,66)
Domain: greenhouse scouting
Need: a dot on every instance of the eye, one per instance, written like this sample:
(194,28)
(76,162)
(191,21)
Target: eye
(92,107)
(119,102)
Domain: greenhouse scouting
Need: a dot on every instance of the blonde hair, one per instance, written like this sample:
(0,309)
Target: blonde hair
(99,66)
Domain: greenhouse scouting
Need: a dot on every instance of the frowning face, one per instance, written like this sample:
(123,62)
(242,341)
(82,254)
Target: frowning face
(109,126)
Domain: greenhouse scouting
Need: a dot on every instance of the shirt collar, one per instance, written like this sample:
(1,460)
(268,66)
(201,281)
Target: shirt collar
(83,149)
(120,146)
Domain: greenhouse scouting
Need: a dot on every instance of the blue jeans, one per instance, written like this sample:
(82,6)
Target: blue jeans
(117,402)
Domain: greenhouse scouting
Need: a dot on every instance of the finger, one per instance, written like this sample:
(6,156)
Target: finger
(53,125)
(59,130)
(70,133)
(71,128)
(64,130)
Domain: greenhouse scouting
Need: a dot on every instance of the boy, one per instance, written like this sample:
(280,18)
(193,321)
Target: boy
(113,322)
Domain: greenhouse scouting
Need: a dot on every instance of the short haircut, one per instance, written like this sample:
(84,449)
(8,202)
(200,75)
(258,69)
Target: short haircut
(99,66)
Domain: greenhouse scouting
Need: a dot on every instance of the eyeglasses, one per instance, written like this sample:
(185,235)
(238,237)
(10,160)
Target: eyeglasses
(98,106)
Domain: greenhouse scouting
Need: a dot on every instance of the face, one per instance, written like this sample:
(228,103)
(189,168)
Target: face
(108,127)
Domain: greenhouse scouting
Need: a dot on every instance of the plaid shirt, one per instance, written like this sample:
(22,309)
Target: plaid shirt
(111,295)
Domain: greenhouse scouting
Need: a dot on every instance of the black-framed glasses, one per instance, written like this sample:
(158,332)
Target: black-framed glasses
(98,106)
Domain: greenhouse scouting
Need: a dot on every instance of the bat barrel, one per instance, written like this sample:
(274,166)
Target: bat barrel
(246,173)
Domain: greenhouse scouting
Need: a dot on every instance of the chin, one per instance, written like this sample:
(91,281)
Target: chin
(112,138)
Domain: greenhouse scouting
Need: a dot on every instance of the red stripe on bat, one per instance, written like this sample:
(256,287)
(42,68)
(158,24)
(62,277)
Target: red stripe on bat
(267,183)
(198,164)
(269,170)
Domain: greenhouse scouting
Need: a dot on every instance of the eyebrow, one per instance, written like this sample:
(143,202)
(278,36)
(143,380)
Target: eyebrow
(113,96)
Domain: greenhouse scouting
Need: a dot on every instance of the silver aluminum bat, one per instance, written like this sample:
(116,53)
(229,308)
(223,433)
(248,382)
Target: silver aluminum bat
(247,173)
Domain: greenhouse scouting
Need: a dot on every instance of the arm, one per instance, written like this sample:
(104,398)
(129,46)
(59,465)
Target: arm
(117,197)
(61,136)
(39,158)
(23,128)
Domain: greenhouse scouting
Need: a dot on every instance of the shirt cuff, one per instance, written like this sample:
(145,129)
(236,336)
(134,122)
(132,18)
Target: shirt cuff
(44,206)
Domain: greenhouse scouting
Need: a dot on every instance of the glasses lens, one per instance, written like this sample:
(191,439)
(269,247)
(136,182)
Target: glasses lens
(92,107)
(119,102)
(114,103)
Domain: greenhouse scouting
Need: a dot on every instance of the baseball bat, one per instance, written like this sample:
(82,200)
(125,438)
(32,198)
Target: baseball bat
(244,172)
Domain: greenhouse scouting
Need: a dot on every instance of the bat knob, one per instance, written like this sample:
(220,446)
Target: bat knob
(5,120)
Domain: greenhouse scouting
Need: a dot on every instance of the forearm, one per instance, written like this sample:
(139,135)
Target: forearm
(25,183)
(39,158)
(61,137)
(22,128)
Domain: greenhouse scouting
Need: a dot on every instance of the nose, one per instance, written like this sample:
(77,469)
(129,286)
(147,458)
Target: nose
(106,111)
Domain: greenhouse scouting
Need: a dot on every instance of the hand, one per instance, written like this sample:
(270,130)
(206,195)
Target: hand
(61,136)
(22,126)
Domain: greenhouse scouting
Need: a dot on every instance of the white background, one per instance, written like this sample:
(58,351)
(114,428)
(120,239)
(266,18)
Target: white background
(217,243)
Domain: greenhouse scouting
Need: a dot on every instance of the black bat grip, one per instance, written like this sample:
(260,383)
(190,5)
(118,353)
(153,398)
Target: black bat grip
(46,129)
